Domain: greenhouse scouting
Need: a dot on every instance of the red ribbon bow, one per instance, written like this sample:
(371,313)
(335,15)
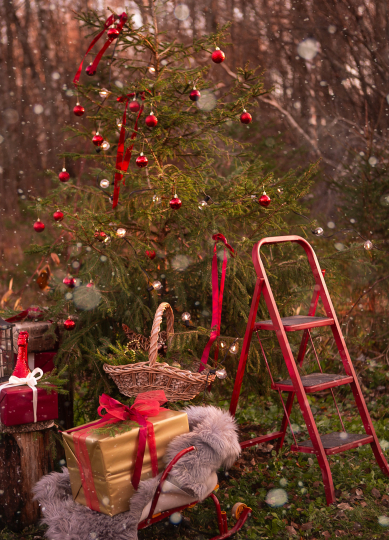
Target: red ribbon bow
(145,405)
(122,163)
(217,297)
(111,19)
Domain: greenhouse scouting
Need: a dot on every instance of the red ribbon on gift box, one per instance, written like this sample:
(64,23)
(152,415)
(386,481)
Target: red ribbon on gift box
(145,405)
(217,297)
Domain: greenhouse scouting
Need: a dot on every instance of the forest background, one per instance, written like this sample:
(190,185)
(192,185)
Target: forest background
(326,64)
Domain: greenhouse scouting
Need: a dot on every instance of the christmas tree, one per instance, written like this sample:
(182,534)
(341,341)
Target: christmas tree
(170,164)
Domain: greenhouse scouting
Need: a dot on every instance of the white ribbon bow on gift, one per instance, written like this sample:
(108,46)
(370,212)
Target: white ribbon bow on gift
(31,380)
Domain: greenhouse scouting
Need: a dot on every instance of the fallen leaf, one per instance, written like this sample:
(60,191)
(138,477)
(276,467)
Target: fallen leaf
(253,462)
(345,506)
(385,500)
(295,525)
(363,504)
(316,484)
(55,258)
(291,530)
(339,533)
(326,534)
(376,494)
(359,492)
(18,305)
(307,526)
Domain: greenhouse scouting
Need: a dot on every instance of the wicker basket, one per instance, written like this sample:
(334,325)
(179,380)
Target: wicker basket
(178,384)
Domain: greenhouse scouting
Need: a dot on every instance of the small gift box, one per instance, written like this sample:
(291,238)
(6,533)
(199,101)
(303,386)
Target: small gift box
(40,338)
(17,405)
(105,468)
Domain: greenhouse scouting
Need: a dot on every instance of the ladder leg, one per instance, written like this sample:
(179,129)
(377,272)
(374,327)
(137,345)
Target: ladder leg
(284,424)
(246,346)
(326,475)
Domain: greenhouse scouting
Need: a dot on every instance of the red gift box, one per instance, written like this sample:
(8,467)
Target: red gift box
(16,405)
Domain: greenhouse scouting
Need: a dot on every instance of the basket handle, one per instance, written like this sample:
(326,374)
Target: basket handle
(162,308)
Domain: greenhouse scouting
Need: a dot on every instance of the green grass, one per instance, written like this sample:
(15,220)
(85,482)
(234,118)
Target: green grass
(362,490)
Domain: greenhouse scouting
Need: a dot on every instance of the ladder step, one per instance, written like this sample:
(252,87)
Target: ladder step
(297,322)
(335,442)
(315,382)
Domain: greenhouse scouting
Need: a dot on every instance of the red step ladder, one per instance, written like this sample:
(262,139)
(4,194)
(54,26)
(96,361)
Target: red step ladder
(321,445)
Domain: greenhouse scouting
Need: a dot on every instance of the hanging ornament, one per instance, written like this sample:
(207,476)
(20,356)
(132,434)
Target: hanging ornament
(58,215)
(221,373)
(368,245)
(64,175)
(157,285)
(98,139)
(113,33)
(151,120)
(104,93)
(90,70)
(264,200)
(100,236)
(218,56)
(39,226)
(90,284)
(134,106)
(104,183)
(141,161)
(318,231)
(78,110)
(245,117)
(105,146)
(151,254)
(69,282)
(69,324)
(204,202)
(194,95)
(175,203)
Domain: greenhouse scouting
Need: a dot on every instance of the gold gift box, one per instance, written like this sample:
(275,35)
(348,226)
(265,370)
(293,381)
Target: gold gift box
(113,459)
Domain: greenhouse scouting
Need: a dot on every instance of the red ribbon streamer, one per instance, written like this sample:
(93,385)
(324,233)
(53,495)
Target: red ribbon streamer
(123,163)
(111,19)
(145,405)
(217,297)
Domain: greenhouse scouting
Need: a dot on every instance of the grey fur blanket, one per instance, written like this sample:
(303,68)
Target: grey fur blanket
(214,434)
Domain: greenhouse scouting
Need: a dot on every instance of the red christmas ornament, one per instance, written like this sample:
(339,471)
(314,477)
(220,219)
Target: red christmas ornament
(113,33)
(194,95)
(69,324)
(100,235)
(98,139)
(69,282)
(141,160)
(21,369)
(175,203)
(134,106)
(218,56)
(246,117)
(64,175)
(151,120)
(151,254)
(264,200)
(78,110)
(58,215)
(90,284)
(39,226)
(90,71)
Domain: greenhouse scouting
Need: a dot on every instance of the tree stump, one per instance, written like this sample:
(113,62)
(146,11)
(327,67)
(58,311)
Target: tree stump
(24,458)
